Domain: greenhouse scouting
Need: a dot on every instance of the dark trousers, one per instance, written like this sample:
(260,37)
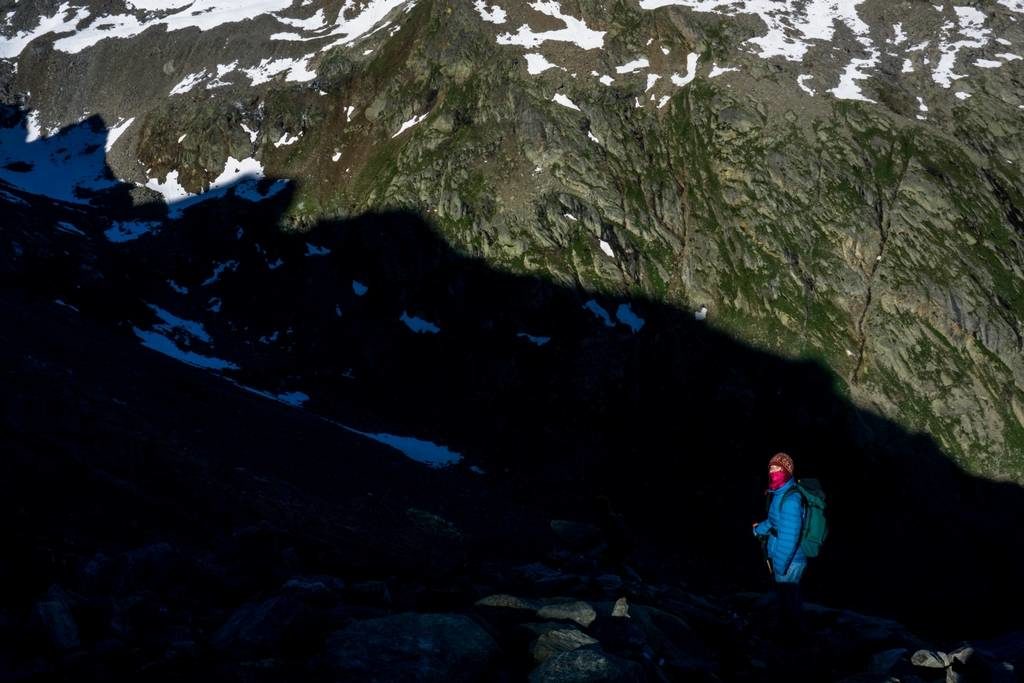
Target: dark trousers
(790,609)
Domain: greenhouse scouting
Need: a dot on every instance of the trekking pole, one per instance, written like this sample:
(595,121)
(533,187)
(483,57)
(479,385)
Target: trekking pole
(767,560)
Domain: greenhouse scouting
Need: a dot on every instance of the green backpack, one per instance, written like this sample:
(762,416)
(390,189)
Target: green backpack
(815,527)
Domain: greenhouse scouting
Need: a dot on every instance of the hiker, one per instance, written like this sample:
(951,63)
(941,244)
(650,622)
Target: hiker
(783,531)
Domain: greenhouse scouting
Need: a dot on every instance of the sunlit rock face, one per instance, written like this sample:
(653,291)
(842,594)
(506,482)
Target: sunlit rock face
(833,180)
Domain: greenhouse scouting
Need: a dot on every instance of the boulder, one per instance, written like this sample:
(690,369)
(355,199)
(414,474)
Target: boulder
(321,590)
(580,612)
(930,659)
(434,525)
(886,661)
(510,602)
(53,616)
(1005,652)
(975,664)
(263,625)
(558,640)
(586,665)
(412,647)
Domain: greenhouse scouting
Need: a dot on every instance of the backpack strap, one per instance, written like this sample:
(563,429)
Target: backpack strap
(803,518)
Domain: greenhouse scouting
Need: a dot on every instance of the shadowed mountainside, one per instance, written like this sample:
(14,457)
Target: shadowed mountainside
(669,426)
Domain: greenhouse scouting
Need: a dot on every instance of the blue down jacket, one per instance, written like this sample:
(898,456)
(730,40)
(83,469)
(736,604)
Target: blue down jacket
(783,526)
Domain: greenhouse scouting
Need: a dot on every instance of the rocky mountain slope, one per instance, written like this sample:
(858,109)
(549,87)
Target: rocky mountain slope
(337,310)
(147,537)
(836,181)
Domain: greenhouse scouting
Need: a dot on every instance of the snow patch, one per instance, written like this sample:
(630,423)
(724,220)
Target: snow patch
(170,189)
(600,312)
(287,140)
(426,452)
(790,23)
(691,70)
(219,270)
(241,177)
(493,14)
(188,82)
(719,70)
(847,88)
(800,82)
(174,15)
(64,166)
(971,27)
(539,341)
(161,344)
(564,101)
(313,23)
(171,323)
(167,334)
(253,133)
(575,31)
(62,21)
(536,63)
(64,226)
(635,65)
(419,325)
(297,70)
(126,231)
(899,36)
(222,71)
(793,27)
(32,129)
(410,123)
(627,317)
(292,398)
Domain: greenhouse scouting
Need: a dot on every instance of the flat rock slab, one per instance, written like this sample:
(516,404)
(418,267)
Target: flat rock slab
(558,640)
(580,612)
(511,602)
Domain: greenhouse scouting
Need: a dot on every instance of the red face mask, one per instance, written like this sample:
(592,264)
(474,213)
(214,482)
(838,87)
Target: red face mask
(777,479)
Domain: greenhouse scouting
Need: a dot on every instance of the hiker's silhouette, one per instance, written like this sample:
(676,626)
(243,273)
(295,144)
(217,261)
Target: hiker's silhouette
(671,424)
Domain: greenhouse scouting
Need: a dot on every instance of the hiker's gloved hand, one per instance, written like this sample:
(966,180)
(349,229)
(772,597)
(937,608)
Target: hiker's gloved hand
(761,528)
